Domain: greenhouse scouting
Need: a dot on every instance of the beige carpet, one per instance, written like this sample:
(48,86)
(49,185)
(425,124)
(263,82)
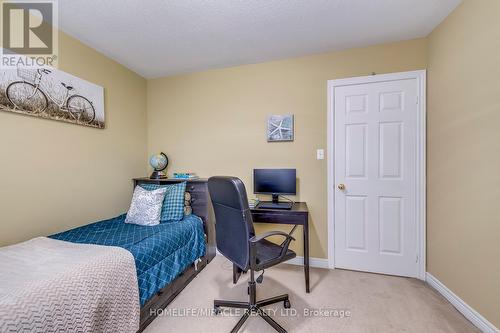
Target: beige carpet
(354,302)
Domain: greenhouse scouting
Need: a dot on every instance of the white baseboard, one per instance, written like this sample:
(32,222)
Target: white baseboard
(474,317)
(313,262)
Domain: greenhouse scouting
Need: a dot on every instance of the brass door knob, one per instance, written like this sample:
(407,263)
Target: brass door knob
(341,187)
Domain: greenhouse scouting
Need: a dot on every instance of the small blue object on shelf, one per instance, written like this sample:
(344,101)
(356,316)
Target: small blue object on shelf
(185,175)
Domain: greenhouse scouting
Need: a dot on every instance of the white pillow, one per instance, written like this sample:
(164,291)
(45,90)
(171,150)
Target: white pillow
(145,208)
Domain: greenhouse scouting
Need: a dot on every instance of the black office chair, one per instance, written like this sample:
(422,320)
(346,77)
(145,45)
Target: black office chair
(237,241)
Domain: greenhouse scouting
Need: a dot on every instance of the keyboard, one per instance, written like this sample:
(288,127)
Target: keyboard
(271,205)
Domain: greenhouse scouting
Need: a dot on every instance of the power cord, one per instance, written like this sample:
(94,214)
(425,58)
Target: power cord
(287,199)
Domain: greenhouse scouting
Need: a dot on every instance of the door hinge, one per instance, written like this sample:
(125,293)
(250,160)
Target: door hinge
(417,100)
(416,260)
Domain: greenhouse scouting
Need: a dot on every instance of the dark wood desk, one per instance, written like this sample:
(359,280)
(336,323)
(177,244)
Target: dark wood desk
(298,215)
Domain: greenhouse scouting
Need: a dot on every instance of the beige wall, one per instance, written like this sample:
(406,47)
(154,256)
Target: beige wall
(214,122)
(463,225)
(54,175)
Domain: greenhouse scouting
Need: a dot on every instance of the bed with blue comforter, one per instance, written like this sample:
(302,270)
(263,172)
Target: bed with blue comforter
(161,252)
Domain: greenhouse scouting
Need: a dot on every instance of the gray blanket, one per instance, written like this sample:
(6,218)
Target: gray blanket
(49,285)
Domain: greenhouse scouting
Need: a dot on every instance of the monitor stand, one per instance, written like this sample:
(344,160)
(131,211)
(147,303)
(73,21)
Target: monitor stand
(275,204)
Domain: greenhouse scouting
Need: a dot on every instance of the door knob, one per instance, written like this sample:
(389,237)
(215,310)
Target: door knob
(341,187)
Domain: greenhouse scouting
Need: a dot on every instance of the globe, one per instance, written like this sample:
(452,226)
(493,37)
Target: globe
(158,162)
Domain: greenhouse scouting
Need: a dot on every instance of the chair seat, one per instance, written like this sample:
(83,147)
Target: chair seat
(268,254)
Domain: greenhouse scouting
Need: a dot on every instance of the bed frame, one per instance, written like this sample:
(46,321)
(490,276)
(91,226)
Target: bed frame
(202,207)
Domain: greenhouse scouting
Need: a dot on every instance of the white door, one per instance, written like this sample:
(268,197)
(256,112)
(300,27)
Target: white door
(375,176)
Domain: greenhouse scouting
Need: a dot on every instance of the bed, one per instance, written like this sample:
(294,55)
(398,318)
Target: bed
(160,252)
(201,207)
(163,259)
(167,256)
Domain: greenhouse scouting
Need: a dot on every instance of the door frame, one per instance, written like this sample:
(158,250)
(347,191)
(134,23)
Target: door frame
(420,195)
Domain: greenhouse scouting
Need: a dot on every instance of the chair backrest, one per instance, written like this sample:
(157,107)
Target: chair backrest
(233,219)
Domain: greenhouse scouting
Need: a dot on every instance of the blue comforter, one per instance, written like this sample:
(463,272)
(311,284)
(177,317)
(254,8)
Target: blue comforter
(161,252)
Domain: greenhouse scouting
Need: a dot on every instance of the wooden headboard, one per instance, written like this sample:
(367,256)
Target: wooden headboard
(200,203)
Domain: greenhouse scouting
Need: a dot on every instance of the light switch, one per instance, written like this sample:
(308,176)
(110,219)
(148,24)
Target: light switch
(320,154)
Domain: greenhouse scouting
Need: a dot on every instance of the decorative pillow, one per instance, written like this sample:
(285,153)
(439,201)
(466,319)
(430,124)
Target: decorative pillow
(145,208)
(173,204)
(188,210)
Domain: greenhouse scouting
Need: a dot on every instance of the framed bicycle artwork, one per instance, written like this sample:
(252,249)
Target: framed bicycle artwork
(52,94)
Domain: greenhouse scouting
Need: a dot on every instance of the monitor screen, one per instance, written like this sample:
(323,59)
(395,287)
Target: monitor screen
(279,181)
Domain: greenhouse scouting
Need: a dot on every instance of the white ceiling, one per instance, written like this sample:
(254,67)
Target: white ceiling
(165,37)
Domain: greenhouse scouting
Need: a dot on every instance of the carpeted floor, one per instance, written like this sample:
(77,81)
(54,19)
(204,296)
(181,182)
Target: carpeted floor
(346,301)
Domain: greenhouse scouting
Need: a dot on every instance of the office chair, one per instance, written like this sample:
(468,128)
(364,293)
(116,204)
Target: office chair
(237,241)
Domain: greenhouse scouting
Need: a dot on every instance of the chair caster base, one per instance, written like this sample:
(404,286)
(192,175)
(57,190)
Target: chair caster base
(254,308)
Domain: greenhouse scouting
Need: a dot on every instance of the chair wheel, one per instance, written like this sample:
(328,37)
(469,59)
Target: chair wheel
(217,310)
(287,304)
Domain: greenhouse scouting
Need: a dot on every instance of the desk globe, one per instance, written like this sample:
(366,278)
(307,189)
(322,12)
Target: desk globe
(158,162)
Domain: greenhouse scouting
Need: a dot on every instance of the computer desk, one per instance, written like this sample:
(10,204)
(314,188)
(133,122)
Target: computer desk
(298,215)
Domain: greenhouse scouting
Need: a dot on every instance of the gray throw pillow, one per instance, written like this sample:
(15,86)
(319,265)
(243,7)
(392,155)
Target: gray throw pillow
(145,208)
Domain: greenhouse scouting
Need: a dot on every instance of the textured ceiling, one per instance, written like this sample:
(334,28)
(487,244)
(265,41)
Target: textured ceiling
(159,37)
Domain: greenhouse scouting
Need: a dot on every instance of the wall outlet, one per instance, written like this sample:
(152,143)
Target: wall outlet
(320,154)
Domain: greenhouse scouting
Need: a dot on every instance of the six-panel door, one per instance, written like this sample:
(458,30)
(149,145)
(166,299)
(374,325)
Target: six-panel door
(375,175)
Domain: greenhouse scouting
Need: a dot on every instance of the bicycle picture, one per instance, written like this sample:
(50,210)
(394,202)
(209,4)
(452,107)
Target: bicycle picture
(52,94)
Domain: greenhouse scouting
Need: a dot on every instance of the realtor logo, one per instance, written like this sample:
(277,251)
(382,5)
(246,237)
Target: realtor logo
(29,36)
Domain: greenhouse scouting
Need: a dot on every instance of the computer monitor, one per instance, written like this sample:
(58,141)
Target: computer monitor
(274,182)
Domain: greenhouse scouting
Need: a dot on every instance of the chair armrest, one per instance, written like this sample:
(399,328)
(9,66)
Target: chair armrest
(255,239)
(260,237)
